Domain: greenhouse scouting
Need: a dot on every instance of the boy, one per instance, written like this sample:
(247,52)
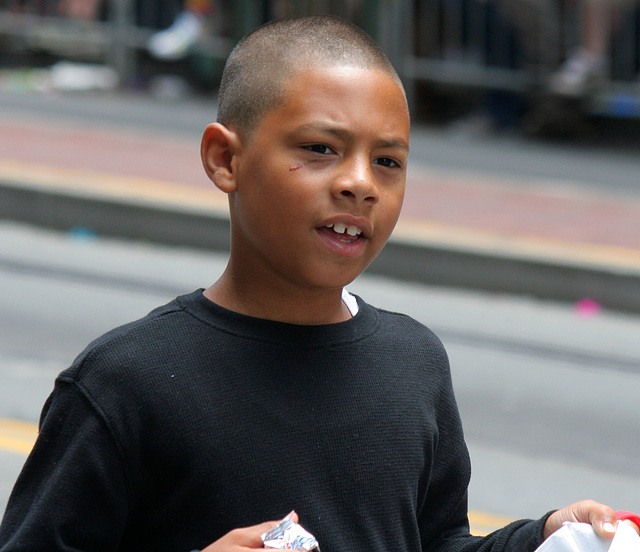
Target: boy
(272,389)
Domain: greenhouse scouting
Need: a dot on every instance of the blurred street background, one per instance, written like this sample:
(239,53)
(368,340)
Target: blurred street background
(519,242)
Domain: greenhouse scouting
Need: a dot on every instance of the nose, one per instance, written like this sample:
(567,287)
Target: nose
(357,182)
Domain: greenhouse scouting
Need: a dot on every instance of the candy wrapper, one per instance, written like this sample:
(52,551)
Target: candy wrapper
(288,535)
(580,537)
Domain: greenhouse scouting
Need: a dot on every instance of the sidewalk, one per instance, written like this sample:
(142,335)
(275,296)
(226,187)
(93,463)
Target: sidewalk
(104,168)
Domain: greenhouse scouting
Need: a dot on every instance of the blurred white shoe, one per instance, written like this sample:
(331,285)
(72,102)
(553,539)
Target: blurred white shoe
(176,41)
(578,73)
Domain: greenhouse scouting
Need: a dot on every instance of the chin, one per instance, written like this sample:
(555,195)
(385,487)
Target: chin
(339,279)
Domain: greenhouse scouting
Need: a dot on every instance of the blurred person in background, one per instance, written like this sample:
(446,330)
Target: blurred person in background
(76,9)
(564,46)
(188,28)
(538,27)
(80,9)
(518,35)
(197,20)
(588,64)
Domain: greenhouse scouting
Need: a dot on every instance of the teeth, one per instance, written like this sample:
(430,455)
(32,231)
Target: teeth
(341,228)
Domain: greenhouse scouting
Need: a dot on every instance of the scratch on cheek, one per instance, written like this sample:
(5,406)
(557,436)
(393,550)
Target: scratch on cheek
(296,167)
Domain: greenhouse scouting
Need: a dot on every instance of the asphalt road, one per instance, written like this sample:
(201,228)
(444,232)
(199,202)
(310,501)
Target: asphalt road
(548,396)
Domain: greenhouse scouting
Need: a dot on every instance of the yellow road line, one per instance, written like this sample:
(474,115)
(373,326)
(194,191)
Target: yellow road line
(95,183)
(18,437)
(458,237)
(483,523)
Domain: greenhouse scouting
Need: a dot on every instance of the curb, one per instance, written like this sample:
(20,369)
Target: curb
(418,251)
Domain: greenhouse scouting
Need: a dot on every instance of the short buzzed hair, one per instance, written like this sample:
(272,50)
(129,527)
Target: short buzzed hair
(257,70)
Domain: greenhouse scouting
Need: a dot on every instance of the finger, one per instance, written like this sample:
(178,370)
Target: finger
(601,517)
(245,539)
(251,537)
(293,516)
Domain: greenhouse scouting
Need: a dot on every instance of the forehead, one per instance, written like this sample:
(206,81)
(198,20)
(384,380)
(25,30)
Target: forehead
(344,97)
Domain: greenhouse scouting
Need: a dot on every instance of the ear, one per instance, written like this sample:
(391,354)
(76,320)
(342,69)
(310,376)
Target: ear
(219,149)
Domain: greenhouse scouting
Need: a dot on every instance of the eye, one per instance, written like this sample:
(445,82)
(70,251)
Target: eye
(322,149)
(387,162)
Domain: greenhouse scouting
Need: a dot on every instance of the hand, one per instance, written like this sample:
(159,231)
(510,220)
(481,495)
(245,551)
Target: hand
(601,517)
(246,538)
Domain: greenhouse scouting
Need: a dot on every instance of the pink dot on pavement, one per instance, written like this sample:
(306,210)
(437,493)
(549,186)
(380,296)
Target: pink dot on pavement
(587,307)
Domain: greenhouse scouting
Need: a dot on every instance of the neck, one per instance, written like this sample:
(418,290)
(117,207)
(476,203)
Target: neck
(288,304)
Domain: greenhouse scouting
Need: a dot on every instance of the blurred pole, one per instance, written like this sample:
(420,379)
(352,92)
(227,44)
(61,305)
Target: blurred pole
(371,18)
(453,29)
(390,23)
(121,53)
(247,15)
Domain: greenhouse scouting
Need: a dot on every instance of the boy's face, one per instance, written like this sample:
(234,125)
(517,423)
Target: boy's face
(320,182)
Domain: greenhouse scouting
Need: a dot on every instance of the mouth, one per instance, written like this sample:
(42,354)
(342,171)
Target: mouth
(346,233)
(345,239)
(346,236)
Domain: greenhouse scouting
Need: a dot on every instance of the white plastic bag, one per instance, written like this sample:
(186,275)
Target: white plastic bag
(581,537)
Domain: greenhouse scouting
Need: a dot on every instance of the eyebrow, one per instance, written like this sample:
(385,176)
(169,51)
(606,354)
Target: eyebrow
(345,134)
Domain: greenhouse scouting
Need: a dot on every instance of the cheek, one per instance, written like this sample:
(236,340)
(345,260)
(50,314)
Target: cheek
(281,201)
(394,200)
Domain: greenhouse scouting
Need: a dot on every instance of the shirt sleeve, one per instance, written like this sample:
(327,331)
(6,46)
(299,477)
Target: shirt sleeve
(72,491)
(444,523)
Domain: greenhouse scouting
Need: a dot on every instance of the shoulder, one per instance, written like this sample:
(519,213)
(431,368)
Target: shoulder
(411,355)
(135,372)
(400,321)
(401,326)
(408,339)
(134,347)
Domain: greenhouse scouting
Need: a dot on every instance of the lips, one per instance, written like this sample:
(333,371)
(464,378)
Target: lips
(346,235)
(345,238)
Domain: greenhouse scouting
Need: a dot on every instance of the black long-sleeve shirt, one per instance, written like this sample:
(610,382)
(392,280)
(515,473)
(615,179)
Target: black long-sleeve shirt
(170,431)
